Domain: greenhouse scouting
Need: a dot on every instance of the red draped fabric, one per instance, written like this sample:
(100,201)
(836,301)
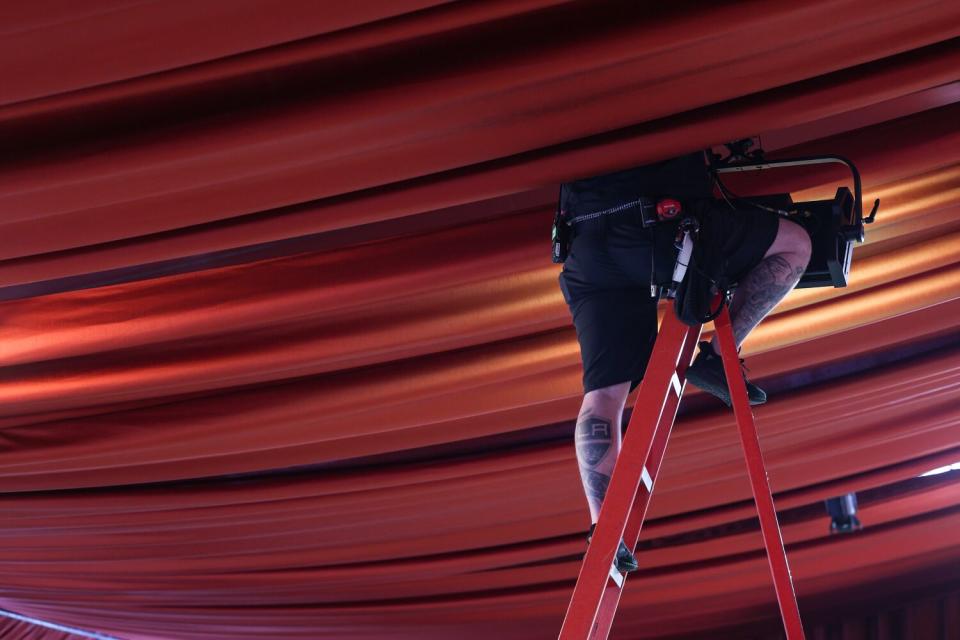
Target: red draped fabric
(282,354)
(12,629)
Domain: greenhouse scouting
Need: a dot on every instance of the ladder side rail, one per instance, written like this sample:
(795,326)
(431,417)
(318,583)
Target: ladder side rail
(657,386)
(610,599)
(667,420)
(631,535)
(759,481)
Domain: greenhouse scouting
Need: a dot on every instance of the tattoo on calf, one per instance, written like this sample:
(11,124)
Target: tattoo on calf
(764,287)
(595,484)
(593,439)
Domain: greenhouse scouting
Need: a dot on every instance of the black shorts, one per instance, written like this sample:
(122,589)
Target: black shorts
(606,283)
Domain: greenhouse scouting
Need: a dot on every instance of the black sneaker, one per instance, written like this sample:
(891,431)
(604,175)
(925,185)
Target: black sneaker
(706,372)
(625,560)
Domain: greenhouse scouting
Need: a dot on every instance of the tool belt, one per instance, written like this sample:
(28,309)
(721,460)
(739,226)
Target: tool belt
(646,206)
(653,212)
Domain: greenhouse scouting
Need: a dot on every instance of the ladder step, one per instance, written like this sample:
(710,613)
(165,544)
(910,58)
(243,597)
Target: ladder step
(647,480)
(615,575)
(675,383)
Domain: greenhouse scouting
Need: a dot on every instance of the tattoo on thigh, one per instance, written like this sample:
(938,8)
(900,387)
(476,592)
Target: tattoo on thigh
(593,438)
(595,484)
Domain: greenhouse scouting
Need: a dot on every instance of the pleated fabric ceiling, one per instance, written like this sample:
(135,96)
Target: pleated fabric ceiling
(284,356)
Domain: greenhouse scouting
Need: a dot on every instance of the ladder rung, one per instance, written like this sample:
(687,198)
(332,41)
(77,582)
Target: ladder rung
(647,480)
(675,383)
(615,575)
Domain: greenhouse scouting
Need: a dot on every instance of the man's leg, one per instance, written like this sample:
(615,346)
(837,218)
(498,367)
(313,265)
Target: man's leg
(598,445)
(770,281)
(598,441)
(759,292)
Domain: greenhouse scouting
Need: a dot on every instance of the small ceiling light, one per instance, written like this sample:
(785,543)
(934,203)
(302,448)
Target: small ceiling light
(843,514)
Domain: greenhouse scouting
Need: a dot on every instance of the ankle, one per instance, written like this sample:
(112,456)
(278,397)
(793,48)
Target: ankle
(715,347)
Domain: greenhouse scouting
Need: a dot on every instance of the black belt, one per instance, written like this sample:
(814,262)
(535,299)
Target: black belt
(647,206)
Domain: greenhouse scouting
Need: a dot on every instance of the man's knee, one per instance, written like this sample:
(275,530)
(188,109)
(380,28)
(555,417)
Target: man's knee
(791,239)
(606,400)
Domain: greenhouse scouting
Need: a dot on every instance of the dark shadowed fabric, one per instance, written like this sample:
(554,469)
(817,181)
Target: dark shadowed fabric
(282,354)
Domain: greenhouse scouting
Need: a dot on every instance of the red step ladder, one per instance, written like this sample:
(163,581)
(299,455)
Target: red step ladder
(599,585)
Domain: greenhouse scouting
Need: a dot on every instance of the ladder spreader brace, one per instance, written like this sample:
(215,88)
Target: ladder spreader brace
(599,585)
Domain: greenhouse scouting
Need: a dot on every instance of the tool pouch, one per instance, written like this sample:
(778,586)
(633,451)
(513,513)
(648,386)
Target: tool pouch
(664,253)
(696,299)
(561,239)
